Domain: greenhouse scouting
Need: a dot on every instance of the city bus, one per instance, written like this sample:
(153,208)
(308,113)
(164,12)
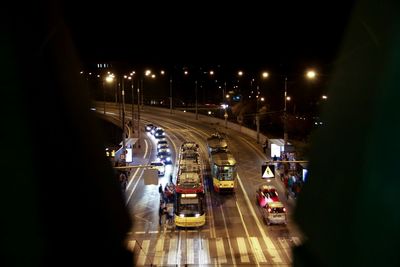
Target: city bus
(216,143)
(189,189)
(189,211)
(223,171)
(222,164)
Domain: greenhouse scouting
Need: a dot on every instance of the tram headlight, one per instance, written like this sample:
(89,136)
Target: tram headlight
(197,215)
(182,215)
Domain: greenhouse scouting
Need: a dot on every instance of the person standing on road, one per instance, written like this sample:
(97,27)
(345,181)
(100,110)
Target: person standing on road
(161,211)
(264,147)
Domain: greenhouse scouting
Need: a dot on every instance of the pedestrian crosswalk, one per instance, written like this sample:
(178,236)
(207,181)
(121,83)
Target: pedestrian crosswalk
(172,250)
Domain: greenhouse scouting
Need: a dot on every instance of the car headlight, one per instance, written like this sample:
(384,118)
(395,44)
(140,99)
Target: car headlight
(168,159)
(158,158)
(197,215)
(168,150)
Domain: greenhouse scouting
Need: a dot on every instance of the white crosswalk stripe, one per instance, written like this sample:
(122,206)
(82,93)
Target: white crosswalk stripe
(168,250)
(286,247)
(143,253)
(272,250)
(257,250)
(172,251)
(204,254)
(242,249)
(159,253)
(220,250)
(189,251)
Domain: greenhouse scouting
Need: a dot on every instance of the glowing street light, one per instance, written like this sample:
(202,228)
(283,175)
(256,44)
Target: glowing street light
(240,73)
(311,74)
(265,74)
(324,97)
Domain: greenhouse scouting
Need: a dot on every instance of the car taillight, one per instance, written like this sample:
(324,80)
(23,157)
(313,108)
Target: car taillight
(284,209)
(269,209)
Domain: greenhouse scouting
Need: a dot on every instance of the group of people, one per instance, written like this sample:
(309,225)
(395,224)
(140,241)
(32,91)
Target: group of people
(168,193)
(167,196)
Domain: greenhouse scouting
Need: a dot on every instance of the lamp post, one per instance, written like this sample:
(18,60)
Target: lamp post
(123,118)
(285,135)
(170,95)
(310,74)
(138,110)
(133,102)
(197,116)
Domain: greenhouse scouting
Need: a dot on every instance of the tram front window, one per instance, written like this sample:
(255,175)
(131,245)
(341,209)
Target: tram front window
(189,207)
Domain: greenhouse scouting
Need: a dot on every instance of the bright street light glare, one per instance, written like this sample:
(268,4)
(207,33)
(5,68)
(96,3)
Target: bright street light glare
(109,79)
(324,97)
(288,98)
(240,73)
(147,73)
(162,72)
(211,72)
(265,74)
(311,74)
(262,99)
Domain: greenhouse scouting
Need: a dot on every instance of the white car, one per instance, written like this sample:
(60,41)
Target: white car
(160,166)
(275,212)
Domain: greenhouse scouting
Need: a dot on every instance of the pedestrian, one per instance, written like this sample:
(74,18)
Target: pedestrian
(160,190)
(123,181)
(264,146)
(287,193)
(161,211)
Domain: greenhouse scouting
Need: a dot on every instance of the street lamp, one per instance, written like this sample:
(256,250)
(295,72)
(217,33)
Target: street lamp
(258,115)
(310,74)
(108,79)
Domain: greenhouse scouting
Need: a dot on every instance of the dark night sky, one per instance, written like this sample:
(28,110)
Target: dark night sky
(205,32)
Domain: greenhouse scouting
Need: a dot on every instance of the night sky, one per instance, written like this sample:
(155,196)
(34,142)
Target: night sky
(284,38)
(285,34)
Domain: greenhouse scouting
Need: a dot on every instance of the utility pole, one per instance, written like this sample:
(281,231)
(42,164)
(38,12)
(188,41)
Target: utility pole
(123,120)
(197,117)
(170,95)
(285,134)
(138,128)
(133,105)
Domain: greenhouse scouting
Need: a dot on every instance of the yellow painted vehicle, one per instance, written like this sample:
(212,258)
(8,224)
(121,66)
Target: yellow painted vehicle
(189,211)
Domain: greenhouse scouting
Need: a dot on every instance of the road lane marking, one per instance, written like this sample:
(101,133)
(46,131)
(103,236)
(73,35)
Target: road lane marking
(172,252)
(143,253)
(146,149)
(134,187)
(220,250)
(247,233)
(204,252)
(242,249)
(286,248)
(228,237)
(275,256)
(257,250)
(159,253)
(189,251)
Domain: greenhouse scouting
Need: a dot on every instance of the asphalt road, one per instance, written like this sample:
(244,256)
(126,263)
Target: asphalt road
(234,234)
